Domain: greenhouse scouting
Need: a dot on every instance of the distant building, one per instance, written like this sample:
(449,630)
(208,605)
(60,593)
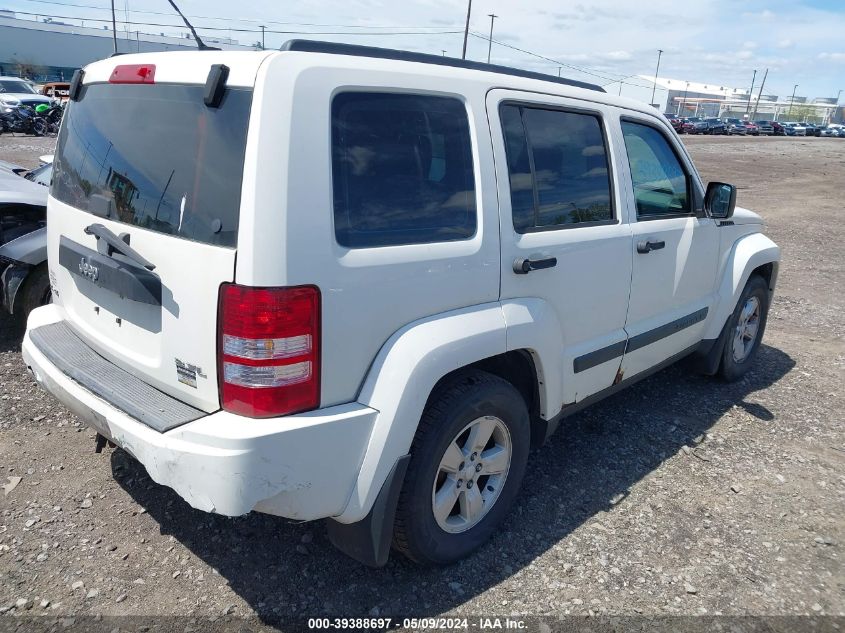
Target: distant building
(51,51)
(690,98)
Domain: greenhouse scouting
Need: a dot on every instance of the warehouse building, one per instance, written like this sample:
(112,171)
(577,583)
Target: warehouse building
(690,98)
(45,50)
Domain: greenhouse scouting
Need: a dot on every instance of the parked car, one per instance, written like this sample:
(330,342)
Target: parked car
(676,122)
(752,128)
(694,125)
(24,280)
(798,129)
(43,173)
(736,127)
(15,92)
(766,128)
(378,330)
(813,129)
(715,126)
(57,90)
(833,131)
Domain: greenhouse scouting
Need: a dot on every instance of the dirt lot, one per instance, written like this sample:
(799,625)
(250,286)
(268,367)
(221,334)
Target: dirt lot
(682,495)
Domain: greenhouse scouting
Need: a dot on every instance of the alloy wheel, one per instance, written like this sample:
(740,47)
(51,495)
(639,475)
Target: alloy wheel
(471,474)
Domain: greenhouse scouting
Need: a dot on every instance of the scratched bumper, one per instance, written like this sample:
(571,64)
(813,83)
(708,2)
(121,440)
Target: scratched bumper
(301,467)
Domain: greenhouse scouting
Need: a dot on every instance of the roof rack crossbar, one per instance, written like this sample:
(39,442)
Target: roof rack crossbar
(334,48)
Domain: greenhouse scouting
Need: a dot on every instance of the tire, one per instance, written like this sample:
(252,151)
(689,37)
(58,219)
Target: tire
(34,293)
(734,363)
(473,398)
(39,127)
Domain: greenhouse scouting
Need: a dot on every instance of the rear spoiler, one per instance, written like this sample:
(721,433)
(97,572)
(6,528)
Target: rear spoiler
(75,84)
(215,84)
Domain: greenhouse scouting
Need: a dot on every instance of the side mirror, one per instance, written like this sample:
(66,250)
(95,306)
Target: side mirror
(720,200)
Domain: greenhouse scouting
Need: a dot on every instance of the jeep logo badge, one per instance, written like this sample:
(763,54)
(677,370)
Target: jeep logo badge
(86,269)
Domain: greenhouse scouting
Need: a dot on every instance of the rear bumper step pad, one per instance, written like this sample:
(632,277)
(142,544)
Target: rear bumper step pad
(60,344)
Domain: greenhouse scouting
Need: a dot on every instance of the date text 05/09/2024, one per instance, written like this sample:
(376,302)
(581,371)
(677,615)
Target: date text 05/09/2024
(433,624)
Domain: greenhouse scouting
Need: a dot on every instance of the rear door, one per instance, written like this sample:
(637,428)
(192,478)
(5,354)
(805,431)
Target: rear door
(149,164)
(560,209)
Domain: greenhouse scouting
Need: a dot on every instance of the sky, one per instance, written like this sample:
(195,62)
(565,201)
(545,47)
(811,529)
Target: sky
(601,41)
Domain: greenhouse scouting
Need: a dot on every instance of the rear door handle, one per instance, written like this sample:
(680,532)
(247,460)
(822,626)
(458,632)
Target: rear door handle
(646,246)
(524,266)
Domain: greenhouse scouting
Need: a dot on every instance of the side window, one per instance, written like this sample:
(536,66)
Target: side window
(661,186)
(401,169)
(558,168)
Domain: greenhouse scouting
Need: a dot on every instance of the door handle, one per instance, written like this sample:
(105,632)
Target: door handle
(647,246)
(524,266)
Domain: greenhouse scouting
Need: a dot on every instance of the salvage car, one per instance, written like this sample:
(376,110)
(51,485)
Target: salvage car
(378,330)
(15,92)
(24,281)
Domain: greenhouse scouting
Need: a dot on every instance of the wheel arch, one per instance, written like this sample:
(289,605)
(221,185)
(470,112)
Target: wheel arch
(516,367)
(425,355)
(754,253)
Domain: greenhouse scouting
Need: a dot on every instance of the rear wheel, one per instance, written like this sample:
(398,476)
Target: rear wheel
(745,329)
(467,462)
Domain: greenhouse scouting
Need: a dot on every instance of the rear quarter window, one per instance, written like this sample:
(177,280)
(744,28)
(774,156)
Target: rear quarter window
(402,170)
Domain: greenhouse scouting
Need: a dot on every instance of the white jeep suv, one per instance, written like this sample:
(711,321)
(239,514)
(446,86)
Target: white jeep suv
(358,284)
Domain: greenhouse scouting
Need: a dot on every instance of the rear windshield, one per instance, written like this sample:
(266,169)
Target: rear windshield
(155,157)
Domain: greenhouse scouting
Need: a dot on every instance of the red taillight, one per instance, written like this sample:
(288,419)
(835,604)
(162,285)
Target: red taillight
(133,74)
(269,350)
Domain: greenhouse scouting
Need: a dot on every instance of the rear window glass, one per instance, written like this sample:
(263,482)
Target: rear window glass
(155,157)
(401,169)
(558,168)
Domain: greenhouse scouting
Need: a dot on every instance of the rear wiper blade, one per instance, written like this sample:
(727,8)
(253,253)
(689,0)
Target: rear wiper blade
(116,244)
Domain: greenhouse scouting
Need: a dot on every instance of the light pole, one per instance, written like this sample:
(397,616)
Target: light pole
(559,68)
(759,96)
(493,17)
(113,26)
(622,81)
(684,104)
(656,70)
(832,113)
(792,100)
(443,50)
(262,36)
(751,92)
(466,30)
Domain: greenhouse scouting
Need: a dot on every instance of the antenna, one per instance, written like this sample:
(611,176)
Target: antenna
(200,44)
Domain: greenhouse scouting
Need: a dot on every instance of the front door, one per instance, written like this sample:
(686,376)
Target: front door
(675,249)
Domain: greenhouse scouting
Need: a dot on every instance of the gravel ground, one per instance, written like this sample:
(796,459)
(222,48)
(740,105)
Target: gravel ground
(681,495)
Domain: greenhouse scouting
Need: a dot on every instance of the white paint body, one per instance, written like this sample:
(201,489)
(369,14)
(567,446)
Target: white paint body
(395,319)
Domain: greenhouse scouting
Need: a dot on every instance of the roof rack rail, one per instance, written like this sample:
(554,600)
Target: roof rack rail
(333,48)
